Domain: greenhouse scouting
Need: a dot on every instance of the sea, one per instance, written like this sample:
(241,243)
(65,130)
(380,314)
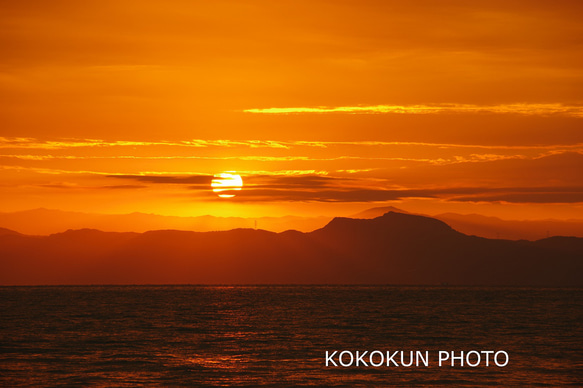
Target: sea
(279,336)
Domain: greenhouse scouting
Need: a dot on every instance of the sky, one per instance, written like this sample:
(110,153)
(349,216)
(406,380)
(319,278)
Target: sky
(322,107)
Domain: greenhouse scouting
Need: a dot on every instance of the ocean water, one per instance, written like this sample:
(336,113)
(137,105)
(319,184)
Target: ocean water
(193,336)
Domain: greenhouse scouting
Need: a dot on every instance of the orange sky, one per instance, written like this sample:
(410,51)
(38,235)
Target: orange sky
(324,107)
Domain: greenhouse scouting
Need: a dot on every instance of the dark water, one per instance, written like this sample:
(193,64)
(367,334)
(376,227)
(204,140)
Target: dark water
(278,335)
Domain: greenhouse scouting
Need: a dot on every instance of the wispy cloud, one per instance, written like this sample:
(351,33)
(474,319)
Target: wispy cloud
(55,171)
(522,109)
(326,144)
(192,179)
(328,193)
(70,186)
(151,157)
(258,158)
(526,197)
(39,144)
(34,143)
(375,161)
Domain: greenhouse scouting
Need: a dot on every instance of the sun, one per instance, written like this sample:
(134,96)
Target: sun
(226,184)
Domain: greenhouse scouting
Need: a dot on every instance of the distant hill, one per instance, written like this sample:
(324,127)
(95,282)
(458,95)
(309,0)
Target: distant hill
(47,221)
(493,227)
(8,232)
(395,248)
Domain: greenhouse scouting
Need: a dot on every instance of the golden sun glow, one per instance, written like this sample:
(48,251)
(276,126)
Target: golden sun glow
(225,184)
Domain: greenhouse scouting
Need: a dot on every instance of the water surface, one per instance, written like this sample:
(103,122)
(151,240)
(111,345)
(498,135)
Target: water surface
(277,335)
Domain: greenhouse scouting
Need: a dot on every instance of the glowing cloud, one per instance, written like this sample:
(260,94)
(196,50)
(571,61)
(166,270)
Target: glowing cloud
(522,109)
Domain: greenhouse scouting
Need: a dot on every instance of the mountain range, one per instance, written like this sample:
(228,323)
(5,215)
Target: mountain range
(50,221)
(395,248)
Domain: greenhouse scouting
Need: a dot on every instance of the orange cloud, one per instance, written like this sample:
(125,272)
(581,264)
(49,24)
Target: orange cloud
(35,143)
(522,109)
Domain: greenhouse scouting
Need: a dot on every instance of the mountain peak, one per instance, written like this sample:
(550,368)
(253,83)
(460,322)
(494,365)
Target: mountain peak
(391,222)
(377,212)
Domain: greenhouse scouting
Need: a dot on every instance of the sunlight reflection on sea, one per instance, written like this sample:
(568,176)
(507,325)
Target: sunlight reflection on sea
(278,335)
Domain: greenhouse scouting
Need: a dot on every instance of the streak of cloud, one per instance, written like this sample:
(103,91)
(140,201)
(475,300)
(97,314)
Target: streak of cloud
(39,144)
(461,194)
(217,157)
(542,197)
(194,179)
(34,143)
(521,109)
(69,186)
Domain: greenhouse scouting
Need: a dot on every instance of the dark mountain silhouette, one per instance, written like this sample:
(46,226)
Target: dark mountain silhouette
(494,227)
(395,248)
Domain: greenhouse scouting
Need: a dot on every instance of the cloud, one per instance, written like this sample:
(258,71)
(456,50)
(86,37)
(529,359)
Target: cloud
(328,195)
(521,109)
(542,197)
(290,180)
(281,182)
(550,169)
(123,187)
(184,180)
(368,143)
(39,144)
(549,186)
(36,143)
(462,194)
(69,186)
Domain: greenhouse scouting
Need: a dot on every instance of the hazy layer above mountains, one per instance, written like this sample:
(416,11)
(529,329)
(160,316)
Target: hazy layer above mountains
(45,222)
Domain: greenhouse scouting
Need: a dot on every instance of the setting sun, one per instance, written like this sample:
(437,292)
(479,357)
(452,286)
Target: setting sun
(225,184)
